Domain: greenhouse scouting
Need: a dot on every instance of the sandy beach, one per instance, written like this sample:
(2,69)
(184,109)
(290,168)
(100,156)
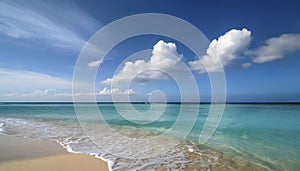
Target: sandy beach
(23,154)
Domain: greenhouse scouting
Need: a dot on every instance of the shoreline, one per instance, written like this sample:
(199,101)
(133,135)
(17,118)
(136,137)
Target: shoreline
(27,154)
(69,150)
(199,156)
(20,153)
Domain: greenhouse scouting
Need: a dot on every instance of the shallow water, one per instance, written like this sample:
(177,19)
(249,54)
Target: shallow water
(267,134)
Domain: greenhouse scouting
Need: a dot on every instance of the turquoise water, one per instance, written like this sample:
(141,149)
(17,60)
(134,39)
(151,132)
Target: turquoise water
(267,134)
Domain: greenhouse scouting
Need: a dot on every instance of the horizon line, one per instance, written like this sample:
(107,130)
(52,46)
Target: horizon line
(142,102)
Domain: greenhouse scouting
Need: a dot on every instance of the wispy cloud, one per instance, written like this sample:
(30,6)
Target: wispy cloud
(62,26)
(58,95)
(115,91)
(277,47)
(39,92)
(22,85)
(16,81)
(95,63)
(246,65)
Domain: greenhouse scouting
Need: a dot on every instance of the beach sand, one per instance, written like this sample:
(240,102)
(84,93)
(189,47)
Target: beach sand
(23,154)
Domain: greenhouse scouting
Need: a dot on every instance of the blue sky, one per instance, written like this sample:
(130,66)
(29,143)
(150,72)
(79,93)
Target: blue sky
(257,42)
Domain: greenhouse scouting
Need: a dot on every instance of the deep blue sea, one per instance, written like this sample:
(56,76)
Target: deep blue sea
(265,134)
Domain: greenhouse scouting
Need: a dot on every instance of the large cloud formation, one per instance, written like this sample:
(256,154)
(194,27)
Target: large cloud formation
(222,51)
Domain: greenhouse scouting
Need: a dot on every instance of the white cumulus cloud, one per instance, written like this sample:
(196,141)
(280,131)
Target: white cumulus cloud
(222,51)
(277,47)
(164,57)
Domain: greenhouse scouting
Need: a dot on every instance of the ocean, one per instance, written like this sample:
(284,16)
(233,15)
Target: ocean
(249,135)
